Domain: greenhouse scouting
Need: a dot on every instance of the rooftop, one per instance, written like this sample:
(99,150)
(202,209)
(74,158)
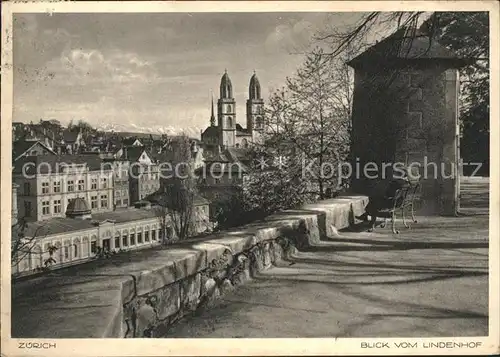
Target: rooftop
(61,225)
(19,147)
(210,131)
(69,136)
(407,45)
(47,164)
(238,154)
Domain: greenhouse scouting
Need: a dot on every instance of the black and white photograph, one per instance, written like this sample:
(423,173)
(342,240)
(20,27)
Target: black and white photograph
(238,170)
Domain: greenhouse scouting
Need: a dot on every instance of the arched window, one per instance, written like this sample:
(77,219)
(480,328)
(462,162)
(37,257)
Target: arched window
(67,252)
(59,252)
(229,122)
(125,238)
(153,232)
(76,248)
(93,244)
(259,123)
(229,108)
(117,240)
(139,235)
(46,253)
(237,145)
(85,247)
(132,236)
(37,256)
(244,142)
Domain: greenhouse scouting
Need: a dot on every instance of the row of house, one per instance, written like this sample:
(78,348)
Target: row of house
(84,190)
(131,174)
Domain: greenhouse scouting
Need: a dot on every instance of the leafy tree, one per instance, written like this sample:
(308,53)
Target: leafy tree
(175,204)
(23,247)
(310,119)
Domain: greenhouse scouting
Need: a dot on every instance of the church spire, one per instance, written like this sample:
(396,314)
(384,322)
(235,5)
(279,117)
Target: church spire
(226,87)
(212,117)
(254,87)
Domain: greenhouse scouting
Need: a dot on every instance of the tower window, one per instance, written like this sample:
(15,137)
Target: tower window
(229,108)
(229,122)
(259,123)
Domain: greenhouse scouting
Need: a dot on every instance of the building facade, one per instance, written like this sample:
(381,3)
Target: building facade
(78,241)
(48,183)
(144,176)
(121,182)
(78,237)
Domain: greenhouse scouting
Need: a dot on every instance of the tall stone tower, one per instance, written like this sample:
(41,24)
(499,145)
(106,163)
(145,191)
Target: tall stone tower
(226,111)
(405,111)
(255,110)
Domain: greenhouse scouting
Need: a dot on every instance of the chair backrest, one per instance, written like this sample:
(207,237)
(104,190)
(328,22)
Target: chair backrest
(401,196)
(414,191)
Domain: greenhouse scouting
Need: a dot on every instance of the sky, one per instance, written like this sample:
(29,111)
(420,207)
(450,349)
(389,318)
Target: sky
(152,72)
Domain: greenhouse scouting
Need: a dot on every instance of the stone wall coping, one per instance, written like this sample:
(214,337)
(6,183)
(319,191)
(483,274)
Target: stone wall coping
(87,300)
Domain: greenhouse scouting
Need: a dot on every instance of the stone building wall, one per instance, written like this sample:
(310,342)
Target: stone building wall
(409,116)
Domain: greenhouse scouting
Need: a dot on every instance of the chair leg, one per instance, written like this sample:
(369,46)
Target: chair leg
(373,221)
(413,214)
(404,218)
(394,231)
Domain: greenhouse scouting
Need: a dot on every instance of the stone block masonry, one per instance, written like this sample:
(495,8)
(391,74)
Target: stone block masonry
(140,294)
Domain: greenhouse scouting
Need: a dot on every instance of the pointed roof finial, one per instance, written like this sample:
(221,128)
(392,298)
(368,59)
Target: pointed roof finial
(225,70)
(212,116)
(254,72)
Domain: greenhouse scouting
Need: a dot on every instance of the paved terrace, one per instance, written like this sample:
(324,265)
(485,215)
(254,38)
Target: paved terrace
(431,280)
(428,281)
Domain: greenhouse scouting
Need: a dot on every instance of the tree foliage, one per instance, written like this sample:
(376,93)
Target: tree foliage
(176,201)
(310,119)
(23,247)
(465,33)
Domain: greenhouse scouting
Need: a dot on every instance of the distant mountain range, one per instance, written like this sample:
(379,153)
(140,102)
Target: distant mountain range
(136,129)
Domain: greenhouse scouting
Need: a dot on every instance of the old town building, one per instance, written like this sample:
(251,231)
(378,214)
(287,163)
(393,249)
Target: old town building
(48,183)
(144,177)
(81,234)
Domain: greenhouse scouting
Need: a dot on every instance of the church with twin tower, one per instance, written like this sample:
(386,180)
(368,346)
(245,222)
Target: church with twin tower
(227,133)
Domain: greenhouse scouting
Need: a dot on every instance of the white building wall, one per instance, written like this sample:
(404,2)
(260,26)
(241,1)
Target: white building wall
(76,247)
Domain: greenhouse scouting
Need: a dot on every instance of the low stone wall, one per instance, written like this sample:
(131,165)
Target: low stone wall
(145,294)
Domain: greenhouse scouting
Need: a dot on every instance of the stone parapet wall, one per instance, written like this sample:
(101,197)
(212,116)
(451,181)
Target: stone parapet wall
(143,293)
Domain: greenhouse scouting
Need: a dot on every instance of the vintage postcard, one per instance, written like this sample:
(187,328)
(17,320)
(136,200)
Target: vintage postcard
(249,178)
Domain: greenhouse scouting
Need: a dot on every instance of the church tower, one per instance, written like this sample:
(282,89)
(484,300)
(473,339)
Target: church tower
(255,110)
(226,113)
(212,115)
